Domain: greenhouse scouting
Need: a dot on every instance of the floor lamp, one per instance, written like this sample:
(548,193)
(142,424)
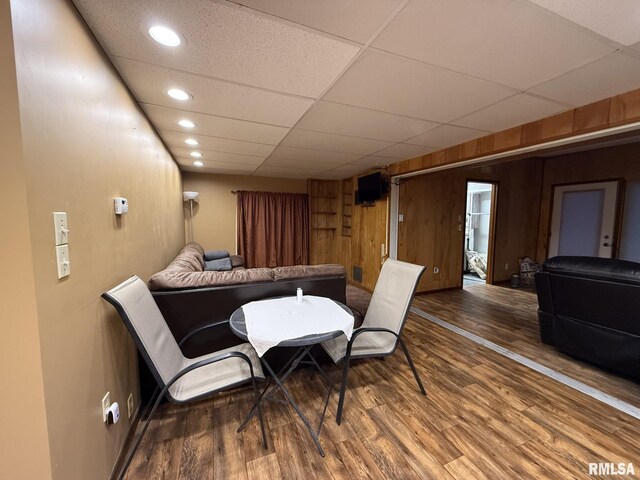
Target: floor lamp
(190,197)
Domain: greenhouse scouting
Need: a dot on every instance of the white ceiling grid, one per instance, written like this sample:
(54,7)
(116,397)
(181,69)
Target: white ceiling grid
(310,89)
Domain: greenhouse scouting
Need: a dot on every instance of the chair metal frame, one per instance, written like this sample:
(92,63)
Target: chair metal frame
(348,357)
(157,397)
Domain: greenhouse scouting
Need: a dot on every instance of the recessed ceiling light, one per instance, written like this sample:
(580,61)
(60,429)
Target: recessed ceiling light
(165,36)
(192,141)
(196,154)
(186,123)
(198,163)
(178,94)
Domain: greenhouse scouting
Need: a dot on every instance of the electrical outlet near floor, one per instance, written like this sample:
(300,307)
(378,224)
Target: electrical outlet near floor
(506,266)
(436,270)
(106,403)
(130,405)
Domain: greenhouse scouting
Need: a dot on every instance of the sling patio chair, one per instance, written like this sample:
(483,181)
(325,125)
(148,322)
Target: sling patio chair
(180,379)
(382,326)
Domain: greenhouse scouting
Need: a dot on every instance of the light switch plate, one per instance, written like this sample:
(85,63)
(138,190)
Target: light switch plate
(60,225)
(62,259)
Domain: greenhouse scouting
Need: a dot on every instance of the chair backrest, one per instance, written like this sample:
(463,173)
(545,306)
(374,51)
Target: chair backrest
(393,294)
(147,326)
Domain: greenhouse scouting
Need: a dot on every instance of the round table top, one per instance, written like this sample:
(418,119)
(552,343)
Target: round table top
(239,328)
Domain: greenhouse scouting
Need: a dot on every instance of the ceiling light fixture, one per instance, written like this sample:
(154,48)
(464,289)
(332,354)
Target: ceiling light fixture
(178,94)
(196,154)
(198,163)
(164,36)
(186,123)
(192,141)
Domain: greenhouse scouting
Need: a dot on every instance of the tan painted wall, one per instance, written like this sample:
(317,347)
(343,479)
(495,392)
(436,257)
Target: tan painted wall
(85,141)
(24,445)
(214,218)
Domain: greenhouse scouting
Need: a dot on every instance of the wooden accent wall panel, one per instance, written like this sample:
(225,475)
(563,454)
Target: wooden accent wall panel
(433,206)
(621,161)
(610,112)
(323,213)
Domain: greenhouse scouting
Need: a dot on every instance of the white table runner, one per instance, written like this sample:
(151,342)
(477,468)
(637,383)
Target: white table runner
(270,322)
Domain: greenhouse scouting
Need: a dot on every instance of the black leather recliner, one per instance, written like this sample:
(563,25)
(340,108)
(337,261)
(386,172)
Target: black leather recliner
(590,308)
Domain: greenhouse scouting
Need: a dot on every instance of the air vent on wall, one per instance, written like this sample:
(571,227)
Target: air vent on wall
(357,274)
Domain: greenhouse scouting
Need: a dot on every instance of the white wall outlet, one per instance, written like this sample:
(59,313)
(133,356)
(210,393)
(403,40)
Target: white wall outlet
(106,403)
(401,218)
(62,259)
(61,230)
(130,405)
(506,266)
(436,270)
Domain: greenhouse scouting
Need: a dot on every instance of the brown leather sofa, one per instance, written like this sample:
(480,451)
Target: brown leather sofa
(588,308)
(190,298)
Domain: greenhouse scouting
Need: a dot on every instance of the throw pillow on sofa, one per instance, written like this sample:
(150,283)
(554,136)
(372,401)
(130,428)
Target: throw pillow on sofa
(219,265)
(215,254)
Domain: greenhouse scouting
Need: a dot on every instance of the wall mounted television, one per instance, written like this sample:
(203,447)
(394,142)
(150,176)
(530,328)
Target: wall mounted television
(371,187)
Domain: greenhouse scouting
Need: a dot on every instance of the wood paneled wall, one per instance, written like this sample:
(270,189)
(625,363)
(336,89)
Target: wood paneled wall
(610,112)
(433,206)
(622,162)
(323,213)
(367,235)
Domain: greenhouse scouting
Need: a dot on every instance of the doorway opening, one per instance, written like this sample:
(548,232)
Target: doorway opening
(479,227)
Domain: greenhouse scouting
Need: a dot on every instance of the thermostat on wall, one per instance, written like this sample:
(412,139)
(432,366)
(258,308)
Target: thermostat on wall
(120,205)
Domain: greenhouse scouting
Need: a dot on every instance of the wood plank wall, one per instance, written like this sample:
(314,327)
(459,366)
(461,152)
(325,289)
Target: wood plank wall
(433,206)
(323,221)
(610,112)
(361,244)
(621,162)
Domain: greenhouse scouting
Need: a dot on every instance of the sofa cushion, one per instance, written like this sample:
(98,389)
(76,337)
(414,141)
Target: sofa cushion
(237,261)
(305,271)
(173,279)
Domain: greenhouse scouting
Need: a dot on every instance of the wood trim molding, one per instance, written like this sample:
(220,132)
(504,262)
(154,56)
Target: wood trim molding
(611,112)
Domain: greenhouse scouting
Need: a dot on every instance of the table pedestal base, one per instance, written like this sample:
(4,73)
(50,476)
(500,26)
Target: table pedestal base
(277,382)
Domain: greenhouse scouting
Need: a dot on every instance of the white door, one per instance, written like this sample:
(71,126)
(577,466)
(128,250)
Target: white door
(583,219)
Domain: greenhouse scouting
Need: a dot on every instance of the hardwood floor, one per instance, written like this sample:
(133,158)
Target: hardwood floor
(485,417)
(508,318)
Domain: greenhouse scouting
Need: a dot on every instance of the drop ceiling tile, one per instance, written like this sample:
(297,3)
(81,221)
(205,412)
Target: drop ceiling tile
(376,161)
(356,20)
(222,41)
(225,167)
(385,82)
(309,155)
(334,175)
(150,83)
(297,163)
(167,119)
(176,139)
(513,43)
(210,156)
(359,122)
(614,19)
(511,112)
(404,151)
(614,74)
(446,136)
(270,171)
(330,142)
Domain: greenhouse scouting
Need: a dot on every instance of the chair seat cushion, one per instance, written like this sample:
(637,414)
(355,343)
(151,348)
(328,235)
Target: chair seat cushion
(366,345)
(215,376)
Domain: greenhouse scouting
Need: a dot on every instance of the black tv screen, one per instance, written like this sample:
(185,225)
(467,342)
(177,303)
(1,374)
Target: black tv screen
(370,187)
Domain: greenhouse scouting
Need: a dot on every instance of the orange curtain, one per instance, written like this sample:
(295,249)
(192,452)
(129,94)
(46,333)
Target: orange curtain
(273,228)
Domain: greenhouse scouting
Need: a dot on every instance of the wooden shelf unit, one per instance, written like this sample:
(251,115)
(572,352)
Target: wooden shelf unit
(324,203)
(346,191)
